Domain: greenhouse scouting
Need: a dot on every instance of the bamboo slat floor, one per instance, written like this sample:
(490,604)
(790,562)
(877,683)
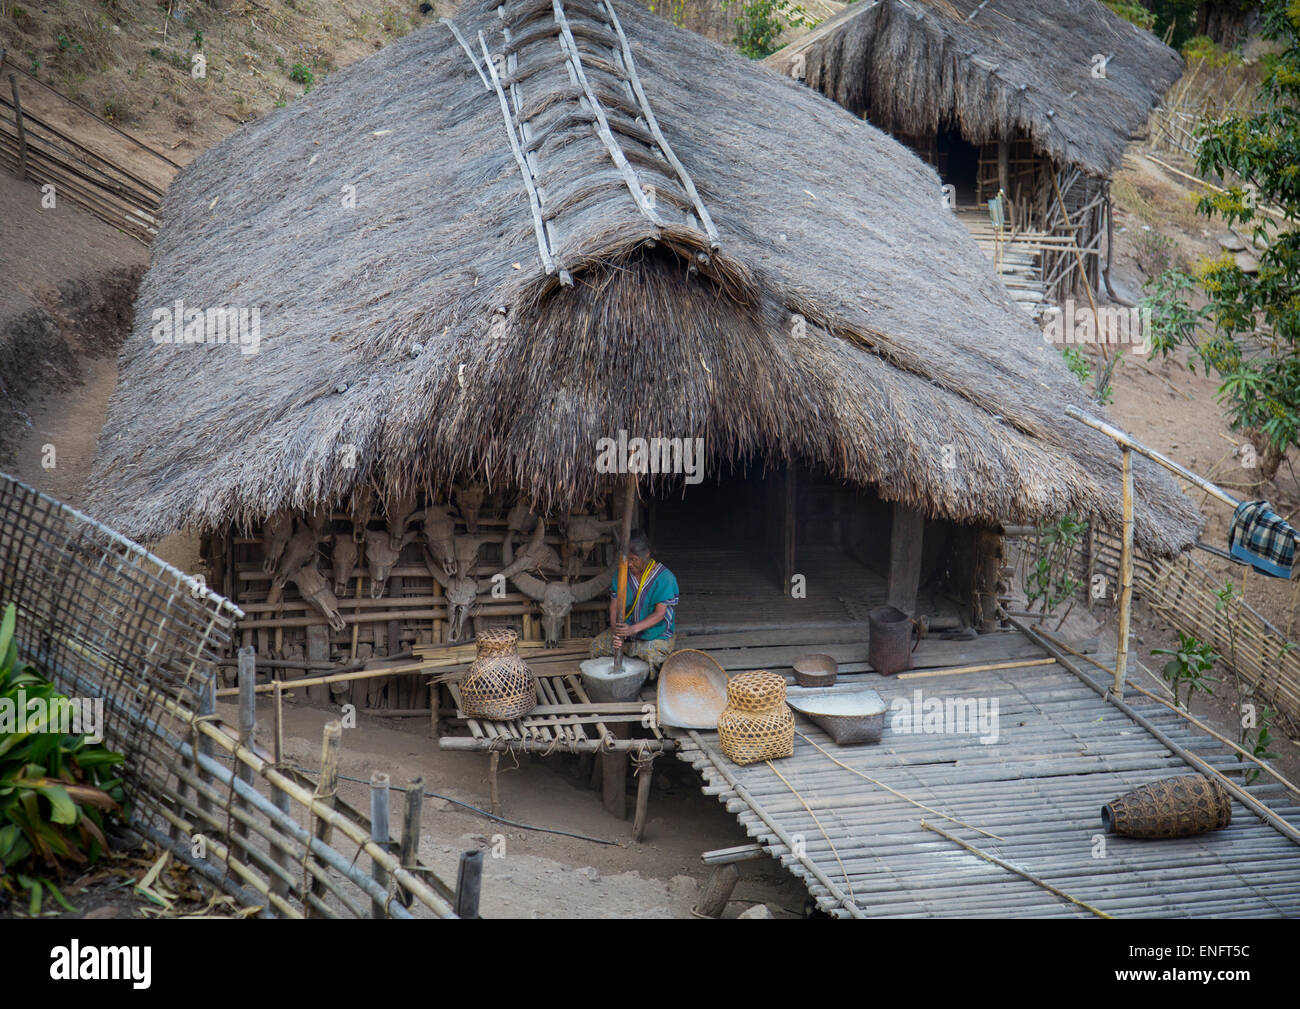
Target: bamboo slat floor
(1061,752)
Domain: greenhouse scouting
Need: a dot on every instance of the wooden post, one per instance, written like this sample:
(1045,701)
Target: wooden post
(644,777)
(469,882)
(379,834)
(326,788)
(411,834)
(613,781)
(1125,574)
(494,796)
(1004,168)
(22,134)
(247,727)
(717,891)
(279,797)
(207,709)
(905,540)
(628,501)
(318,650)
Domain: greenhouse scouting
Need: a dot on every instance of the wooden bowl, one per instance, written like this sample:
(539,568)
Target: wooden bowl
(815,670)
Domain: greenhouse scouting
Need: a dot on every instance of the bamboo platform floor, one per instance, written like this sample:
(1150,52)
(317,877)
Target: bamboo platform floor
(1019,261)
(735,590)
(1062,752)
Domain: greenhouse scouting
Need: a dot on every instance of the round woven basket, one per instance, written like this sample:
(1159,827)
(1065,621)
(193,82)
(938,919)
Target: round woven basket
(756,691)
(756,724)
(498,685)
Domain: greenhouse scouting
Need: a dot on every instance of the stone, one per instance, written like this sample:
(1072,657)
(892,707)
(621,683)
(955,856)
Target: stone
(757,911)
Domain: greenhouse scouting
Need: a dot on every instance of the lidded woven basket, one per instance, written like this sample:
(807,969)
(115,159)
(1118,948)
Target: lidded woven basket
(756,724)
(498,685)
(1171,807)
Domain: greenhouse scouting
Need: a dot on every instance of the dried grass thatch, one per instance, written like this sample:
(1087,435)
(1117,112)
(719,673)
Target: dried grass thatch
(911,344)
(995,70)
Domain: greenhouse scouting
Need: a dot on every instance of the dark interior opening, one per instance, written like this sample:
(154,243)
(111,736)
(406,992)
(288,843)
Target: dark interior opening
(742,563)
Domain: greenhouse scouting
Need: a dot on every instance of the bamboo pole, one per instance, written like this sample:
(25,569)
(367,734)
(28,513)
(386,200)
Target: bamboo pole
(411,835)
(1125,574)
(629,500)
(327,786)
(379,833)
(22,134)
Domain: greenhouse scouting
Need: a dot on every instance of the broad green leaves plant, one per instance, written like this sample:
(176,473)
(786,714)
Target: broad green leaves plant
(1253,318)
(55,788)
(1187,667)
(1049,581)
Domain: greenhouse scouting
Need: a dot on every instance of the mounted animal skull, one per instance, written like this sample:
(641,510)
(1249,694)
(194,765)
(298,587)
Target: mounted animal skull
(462,594)
(556,599)
(466,549)
(344,561)
(520,520)
(469,502)
(439,532)
(537,555)
(582,533)
(399,512)
(275,535)
(300,550)
(380,558)
(312,587)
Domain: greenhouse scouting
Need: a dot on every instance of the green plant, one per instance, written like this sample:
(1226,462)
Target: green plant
(1049,581)
(1134,12)
(1204,49)
(69,45)
(673,10)
(759,24)
(1263,738)
(1190,661)
(1254,345)
(1077,363)
(55,788)
(198,38)
(1173,320)
(301,74)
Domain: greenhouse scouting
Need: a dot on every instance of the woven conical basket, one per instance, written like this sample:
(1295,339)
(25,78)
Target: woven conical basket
(756,724)
(499,685)
(1172,807)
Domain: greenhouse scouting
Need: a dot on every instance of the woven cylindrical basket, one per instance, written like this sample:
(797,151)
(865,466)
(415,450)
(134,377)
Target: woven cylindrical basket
(1172,807)
(499,685)
(756,724)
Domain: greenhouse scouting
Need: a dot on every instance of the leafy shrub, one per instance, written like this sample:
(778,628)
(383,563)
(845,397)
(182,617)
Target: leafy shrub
(55,789)
(300,73)
(1134,12)
(1189,663)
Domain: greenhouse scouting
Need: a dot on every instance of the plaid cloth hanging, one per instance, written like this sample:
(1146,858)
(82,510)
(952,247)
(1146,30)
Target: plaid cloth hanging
(1262,538)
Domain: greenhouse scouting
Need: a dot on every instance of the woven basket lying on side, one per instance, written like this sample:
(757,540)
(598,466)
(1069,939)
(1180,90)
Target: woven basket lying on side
(756,724)
(1171,807)
(499,685)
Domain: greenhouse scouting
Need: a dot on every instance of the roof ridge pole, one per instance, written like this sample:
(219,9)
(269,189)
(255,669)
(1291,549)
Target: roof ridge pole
(630,177)
(683,176)
(538,226)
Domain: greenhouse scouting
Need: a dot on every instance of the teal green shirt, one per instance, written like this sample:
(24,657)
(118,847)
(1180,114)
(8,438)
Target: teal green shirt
(662,588)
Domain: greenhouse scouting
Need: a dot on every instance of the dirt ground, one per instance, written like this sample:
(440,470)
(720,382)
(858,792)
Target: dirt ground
(534,874)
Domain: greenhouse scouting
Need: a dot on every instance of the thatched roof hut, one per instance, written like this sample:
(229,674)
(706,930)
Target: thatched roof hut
(442,328)
(996,69)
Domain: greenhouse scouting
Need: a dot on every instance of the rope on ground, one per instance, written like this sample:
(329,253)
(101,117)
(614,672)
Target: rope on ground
(894,791)
(476,809)
(834,851)
(1019,872)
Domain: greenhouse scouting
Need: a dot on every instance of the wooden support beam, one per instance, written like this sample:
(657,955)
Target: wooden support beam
(22,133)
(717,891)
(905,541)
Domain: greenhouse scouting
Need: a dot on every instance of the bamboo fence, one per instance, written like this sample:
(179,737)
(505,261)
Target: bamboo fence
(1184,593)
(106,620)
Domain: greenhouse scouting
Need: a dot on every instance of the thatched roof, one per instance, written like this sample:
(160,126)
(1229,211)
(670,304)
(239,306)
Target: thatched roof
(994,70)
(423,330)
